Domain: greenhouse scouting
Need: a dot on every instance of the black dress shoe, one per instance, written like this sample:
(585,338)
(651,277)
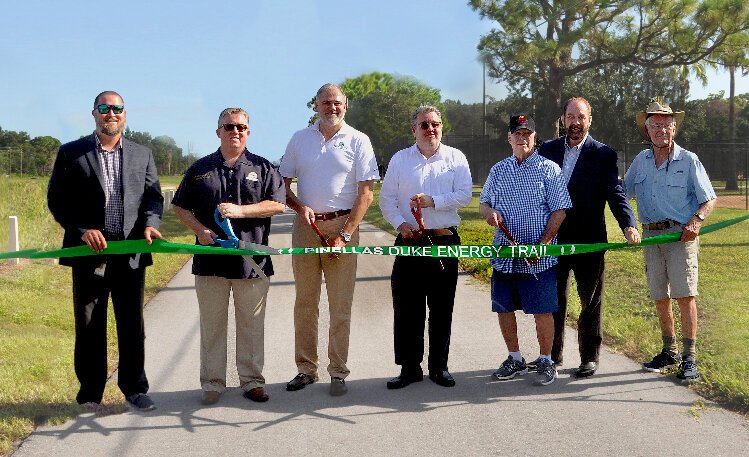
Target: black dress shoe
(586,369)
(300,381)
(405,378)
(442,378)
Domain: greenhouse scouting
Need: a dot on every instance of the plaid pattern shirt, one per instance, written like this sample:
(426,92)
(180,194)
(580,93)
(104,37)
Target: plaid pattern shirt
(525,195)
(111,173)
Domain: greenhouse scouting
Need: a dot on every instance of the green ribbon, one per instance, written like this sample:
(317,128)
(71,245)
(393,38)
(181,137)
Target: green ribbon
(461,251)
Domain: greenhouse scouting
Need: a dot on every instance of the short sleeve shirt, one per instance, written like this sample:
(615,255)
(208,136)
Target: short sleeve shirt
(525,195)
(329,172)
(210,181)
(674,191)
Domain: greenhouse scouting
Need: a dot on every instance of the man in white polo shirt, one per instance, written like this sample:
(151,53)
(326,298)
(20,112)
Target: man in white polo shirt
(335,167)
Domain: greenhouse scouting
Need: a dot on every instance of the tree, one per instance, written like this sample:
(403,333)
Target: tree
(381,104)
(539,44)
(733,56)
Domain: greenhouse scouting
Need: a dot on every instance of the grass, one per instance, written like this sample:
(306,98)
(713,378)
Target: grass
(630,322)
(37,381)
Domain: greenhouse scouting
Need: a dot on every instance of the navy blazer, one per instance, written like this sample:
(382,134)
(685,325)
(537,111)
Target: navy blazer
(594,181)
(75,195)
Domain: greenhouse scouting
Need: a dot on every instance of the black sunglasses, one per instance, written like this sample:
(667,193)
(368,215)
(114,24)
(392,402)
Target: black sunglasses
(425,125)
(231,127)
(116,109)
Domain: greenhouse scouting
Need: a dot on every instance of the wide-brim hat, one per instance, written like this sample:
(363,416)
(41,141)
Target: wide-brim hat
(657,106)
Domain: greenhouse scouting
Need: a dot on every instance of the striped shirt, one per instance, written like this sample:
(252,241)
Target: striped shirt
(111,174)
(525,194)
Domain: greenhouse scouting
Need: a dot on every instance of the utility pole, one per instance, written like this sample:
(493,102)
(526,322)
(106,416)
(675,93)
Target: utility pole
(483,99)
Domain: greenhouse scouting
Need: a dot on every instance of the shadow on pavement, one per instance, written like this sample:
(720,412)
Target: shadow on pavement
(314,402)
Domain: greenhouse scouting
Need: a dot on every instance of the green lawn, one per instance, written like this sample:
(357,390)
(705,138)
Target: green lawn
(630,322)
(37,381)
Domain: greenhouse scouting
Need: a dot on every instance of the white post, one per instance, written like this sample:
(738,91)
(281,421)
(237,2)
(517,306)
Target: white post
(13,241)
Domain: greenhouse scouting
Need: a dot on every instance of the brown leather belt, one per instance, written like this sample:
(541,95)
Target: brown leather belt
(333,215)
(660,225)
(438,232)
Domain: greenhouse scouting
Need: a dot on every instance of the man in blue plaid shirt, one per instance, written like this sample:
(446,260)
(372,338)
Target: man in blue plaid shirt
(528,195)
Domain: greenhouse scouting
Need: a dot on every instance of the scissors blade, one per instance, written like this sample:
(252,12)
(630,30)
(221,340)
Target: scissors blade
(247,246)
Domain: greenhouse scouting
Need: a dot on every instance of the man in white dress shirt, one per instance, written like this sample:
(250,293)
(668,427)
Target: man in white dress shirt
(435,177)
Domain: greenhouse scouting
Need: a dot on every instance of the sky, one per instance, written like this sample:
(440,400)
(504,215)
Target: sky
(177,64)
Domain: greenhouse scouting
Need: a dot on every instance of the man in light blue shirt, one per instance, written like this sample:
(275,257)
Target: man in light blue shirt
(673,194)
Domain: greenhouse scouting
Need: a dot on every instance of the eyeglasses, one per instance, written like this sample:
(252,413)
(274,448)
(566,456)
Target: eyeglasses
(230,127)
(116,109)
(425,125)
(662,126)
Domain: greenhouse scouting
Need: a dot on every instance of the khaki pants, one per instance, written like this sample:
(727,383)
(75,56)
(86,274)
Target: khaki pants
(340,275)
(249,313)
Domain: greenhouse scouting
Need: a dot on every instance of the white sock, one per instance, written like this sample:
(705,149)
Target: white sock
(545,357)
(517,356)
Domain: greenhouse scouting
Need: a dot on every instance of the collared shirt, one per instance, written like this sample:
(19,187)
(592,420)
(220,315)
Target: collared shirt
(571,154)
(444,176)
(525,195)
(329,172)
(674,191)
(111,174)
(211,181)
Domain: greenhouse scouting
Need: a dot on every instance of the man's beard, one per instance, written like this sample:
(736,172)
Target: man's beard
(575,132)
(330,121)
(110,129)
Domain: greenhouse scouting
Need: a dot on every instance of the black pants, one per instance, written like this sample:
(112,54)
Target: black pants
(589,272)
(418,282)
(90,298)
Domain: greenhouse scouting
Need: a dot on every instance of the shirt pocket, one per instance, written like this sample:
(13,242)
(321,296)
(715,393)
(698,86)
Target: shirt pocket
(676,187)
(446,181)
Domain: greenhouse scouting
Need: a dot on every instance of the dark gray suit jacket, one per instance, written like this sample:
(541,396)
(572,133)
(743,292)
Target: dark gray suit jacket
(75,195)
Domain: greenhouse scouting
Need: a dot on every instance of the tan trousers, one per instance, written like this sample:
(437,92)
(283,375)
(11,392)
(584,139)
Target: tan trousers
(249,314)
(340,275)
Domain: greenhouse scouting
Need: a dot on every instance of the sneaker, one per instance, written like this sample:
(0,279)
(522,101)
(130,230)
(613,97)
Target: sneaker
(662,362)
(141,402)
(546,372)
(338,387)
(534,364)
(688,370)
(210,397)
(510,368)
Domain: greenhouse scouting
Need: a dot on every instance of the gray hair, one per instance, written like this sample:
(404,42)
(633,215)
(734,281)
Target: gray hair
(424,109)
(230,111)
(329,86)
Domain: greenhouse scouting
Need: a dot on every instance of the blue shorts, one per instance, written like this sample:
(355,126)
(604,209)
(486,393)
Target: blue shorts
(521,291)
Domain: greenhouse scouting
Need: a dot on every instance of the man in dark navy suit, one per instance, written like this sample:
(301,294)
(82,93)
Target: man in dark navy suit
(589,167)
(104,188)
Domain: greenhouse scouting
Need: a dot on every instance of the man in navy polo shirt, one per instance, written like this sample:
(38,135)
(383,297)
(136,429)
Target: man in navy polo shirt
(248,190)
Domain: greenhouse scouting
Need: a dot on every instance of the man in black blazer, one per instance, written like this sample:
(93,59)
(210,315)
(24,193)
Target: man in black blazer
(589,167)
(104,188)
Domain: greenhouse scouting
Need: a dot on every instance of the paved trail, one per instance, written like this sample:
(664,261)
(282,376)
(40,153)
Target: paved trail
(620,410)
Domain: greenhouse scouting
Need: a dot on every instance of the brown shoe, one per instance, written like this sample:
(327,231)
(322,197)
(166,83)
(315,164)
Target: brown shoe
(256,394)
(210,397)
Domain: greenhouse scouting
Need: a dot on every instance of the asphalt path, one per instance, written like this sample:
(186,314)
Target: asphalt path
(619,410)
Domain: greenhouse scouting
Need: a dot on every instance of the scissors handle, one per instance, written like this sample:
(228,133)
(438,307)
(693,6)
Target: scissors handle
(509,236)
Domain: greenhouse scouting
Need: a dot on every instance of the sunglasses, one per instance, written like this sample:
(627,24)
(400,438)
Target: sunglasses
(116,109)
(231,127)
(425,125)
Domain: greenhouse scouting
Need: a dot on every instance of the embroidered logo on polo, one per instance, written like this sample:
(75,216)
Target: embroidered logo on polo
(251,176)
(340,145)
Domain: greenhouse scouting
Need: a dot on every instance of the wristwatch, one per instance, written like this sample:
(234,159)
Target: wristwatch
(346,236)
(700,217)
